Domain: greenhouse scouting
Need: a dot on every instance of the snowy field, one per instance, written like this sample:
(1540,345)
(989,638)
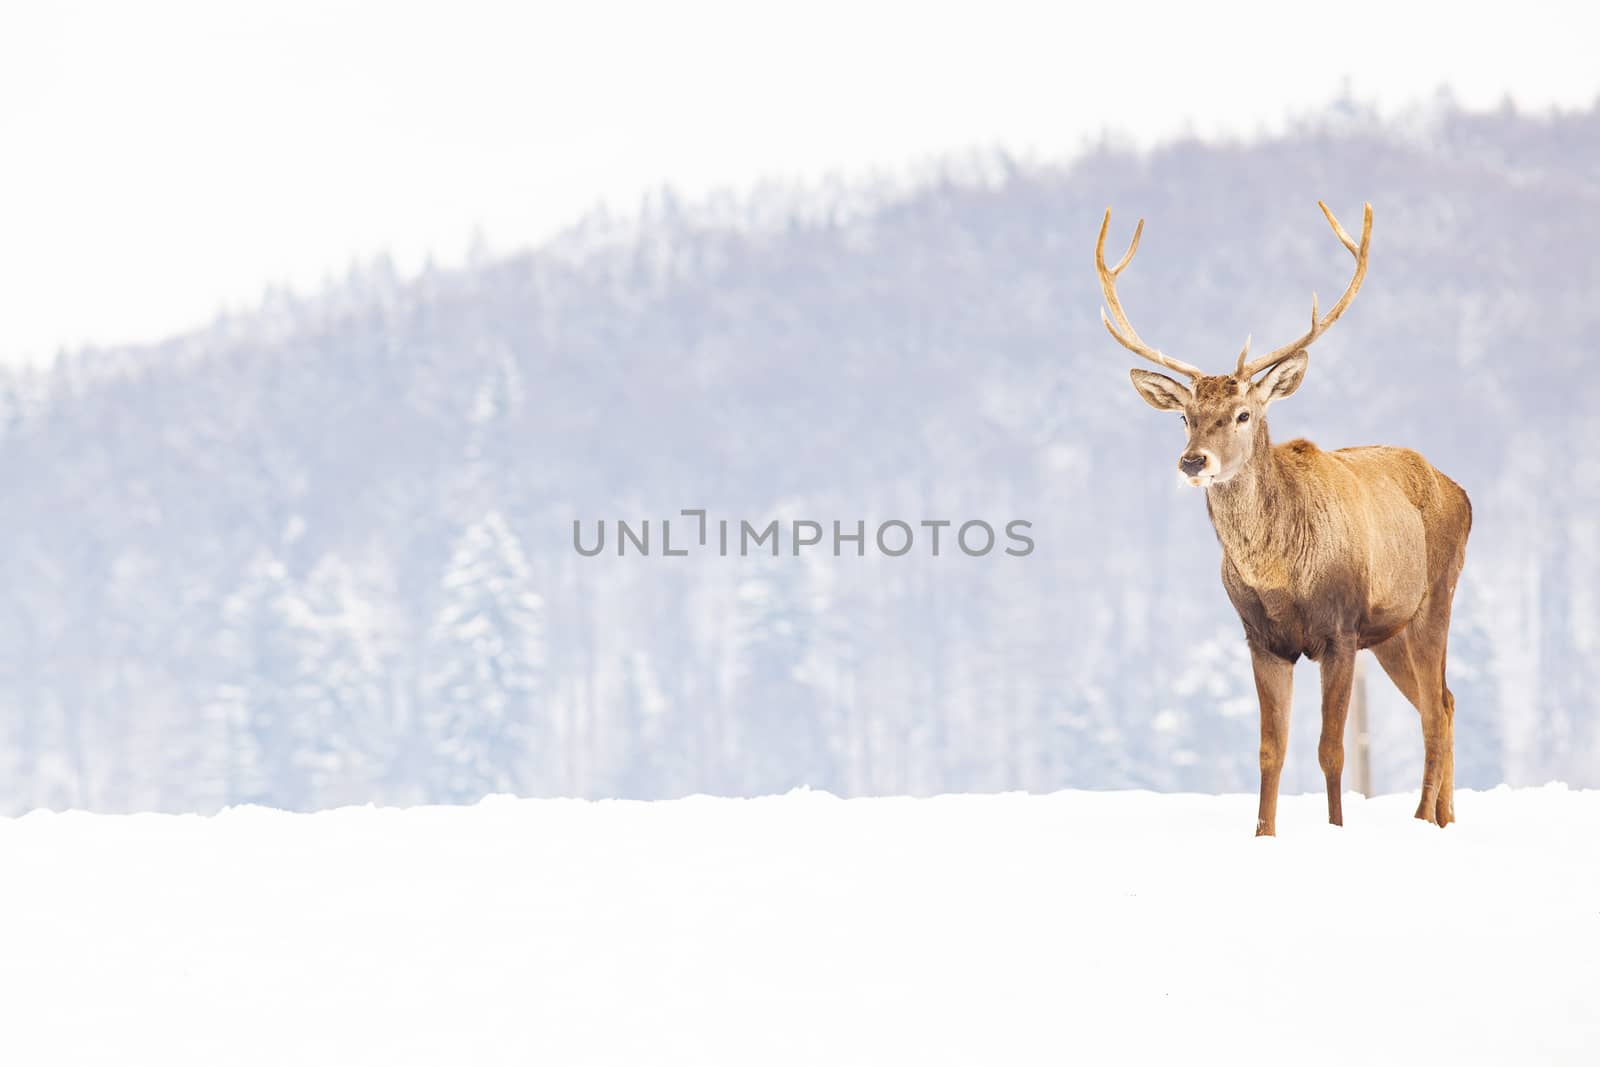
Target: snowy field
(995,930)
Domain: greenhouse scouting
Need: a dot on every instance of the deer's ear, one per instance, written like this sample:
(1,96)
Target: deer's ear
(1283,379)
(1159,391)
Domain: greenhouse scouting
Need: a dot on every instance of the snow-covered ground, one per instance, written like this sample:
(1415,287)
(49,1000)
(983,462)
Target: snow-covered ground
(1072,928)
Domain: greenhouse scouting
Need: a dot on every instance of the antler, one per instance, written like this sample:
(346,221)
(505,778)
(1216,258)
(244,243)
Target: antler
(1128,338)
(1246,371)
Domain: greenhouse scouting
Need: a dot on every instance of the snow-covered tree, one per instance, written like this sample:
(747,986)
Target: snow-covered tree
(343,739)
(484,727)
(780,739)
(252,707)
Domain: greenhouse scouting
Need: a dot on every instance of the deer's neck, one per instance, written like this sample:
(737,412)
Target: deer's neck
(1255,515)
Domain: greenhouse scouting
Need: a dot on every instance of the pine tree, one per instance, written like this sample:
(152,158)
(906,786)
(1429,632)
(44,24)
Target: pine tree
(340,728)
(781,742)
(483,724)
(251,707)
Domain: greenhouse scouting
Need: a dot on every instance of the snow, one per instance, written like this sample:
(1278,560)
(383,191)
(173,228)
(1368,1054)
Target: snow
(1074,927)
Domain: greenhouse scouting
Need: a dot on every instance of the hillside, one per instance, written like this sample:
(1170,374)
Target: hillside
(322,553)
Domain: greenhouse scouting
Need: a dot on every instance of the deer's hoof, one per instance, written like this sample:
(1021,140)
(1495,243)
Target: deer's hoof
(1428,817)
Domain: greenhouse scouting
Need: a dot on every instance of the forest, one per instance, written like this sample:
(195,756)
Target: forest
(322,553)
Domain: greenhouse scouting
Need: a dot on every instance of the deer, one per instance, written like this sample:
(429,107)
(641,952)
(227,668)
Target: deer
(1323,553)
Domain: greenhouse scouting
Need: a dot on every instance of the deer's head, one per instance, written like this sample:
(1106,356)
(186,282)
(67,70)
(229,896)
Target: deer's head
(1225,414)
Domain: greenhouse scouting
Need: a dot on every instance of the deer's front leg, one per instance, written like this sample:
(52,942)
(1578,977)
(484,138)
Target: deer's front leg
(1338,673)
(1274,688)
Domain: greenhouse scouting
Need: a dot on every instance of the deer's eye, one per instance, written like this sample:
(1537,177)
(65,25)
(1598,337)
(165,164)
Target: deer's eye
(1244,416)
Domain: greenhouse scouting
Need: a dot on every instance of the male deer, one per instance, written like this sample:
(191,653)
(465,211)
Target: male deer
(1323,553)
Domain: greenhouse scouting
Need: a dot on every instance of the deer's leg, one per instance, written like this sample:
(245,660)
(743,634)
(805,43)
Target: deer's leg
(1338,673)
(1443,598)
(1274,688)
(1445,806)
(1414,660)
(1436,647)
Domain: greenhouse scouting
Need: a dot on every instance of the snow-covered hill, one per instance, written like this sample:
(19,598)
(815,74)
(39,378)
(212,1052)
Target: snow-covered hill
(288,559)
(1074,927)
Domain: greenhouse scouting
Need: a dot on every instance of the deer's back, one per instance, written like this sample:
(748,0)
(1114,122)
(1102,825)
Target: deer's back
(1440,504)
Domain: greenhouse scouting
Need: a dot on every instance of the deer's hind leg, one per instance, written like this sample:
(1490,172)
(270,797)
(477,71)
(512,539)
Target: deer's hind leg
(1414,659)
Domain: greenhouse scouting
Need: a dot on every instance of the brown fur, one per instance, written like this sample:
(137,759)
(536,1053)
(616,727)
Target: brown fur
(1325,553)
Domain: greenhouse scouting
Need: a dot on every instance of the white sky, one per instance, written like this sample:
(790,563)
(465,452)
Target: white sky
(165,159)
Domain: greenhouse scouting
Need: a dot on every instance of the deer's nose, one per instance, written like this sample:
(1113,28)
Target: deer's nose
(1192,463)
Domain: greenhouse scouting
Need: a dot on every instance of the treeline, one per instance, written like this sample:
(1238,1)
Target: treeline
(322,553)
